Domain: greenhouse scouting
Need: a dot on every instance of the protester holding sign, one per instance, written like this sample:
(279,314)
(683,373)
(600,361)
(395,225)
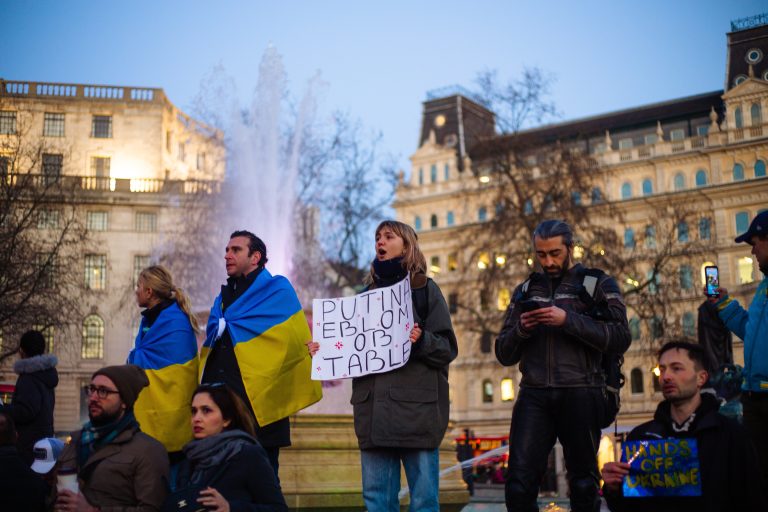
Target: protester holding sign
(689,457)
(402,415)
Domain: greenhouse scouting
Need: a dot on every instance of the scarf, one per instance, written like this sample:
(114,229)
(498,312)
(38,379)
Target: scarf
(213,451)
(388,272)
(93,438)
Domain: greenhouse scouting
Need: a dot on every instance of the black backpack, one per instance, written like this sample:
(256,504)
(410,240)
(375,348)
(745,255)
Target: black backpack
(611,362)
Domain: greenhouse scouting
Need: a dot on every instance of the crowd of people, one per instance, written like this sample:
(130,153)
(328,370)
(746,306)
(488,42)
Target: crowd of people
(175,426)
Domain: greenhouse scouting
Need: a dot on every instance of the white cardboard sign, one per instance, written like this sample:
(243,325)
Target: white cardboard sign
(364,334)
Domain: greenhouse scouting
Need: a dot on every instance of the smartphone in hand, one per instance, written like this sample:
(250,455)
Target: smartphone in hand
(712,279)
(530,305)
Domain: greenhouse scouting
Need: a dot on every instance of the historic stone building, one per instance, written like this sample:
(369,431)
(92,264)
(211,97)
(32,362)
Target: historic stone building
(708,151)
(132,158)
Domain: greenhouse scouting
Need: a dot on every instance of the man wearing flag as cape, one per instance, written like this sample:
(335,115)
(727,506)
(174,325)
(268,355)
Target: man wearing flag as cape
(255,343)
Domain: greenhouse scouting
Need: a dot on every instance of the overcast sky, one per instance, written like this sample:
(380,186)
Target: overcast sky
(379,59)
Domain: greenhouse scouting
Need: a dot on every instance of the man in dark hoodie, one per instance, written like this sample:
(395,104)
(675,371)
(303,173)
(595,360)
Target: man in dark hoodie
(727,461)
(34,398)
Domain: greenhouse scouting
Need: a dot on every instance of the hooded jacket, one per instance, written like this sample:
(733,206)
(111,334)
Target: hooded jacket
(33,400)
(730,475)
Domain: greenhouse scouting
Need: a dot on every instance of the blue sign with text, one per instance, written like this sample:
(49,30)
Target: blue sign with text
(662,467)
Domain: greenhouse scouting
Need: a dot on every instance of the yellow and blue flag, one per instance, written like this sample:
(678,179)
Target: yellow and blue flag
(269,334)
(167,352)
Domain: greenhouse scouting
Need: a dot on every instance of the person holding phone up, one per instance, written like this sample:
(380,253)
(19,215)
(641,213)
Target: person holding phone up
(752,326)
(558,330)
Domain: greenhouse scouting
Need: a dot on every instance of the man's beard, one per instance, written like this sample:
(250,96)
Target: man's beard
(560,270)
(105,418)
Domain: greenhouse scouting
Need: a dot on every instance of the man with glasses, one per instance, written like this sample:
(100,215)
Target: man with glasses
(116,464)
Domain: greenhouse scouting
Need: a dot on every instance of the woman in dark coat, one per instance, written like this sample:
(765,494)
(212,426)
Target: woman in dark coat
(401,416)
(225,458)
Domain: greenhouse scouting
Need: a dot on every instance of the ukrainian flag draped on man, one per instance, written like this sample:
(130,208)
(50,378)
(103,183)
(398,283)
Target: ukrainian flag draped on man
(269,332)
(167,352)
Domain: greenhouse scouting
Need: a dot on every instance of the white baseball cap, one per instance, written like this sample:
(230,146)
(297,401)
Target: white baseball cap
(46,452)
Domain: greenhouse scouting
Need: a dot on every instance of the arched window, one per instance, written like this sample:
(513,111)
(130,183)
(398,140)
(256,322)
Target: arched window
(738,172)
(626,190)
(756,114)
(636,381)
(482,214)
(701,178)
(739,118)
(507,390)
(650,236)
(93,337)
(689,324)
(686,277)
(487,391)
(417,223)
(433,221)
(705,229)
(742,222)
(679,181)
(433,174)
(647,187)
(421,176)
(682,231)
(449,220)
(634,328)
(597,195)
(629,238)
(759,169)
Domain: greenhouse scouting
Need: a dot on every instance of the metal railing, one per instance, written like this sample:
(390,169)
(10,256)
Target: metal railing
(109,184)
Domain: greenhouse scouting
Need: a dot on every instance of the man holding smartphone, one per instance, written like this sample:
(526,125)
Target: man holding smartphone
(752,326)
(558,331)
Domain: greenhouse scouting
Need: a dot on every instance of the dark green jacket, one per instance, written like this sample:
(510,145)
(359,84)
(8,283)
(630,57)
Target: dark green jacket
(408,407)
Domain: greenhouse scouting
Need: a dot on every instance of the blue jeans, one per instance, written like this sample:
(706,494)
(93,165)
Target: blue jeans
(381,478)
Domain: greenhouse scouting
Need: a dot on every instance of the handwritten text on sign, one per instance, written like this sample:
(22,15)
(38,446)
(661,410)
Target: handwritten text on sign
(664,467)
(364,334)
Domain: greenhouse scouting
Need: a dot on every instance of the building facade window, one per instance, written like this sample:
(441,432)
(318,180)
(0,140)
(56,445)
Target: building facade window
(53,124)
(93,337)
(100,166)
(485,342)
(503,299)
(487,391)
(146,222)
(421,176)
(629,238)
(742,222)
(449,220)
(745,270)
(686,277)
(650,237)
(682,231)
(689,324)
(702,130)
(182,152)
(453,302)
(507,390)
(759,169)
(597,195)
(656,327)
(625,143)
(626,190)
(45,266)
(738,172)
(756,114)
(634,328)
(417,223)
(446,172)
(140,262)
(7,122)
(101,127)
(647,187)
(650,138)
(48,219)
(433,173)
(52,164)
(576,198)
(434,264)
(482,214)
(95,271)
(200,162)
(653,282)
(705,229)
(738,117)
(636,381)
(452,262)
(701,178)
(677,134)
(97,221)
(433,221)
(679,181)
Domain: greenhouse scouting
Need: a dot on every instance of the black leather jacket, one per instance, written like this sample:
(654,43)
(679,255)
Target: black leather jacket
(569,355)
